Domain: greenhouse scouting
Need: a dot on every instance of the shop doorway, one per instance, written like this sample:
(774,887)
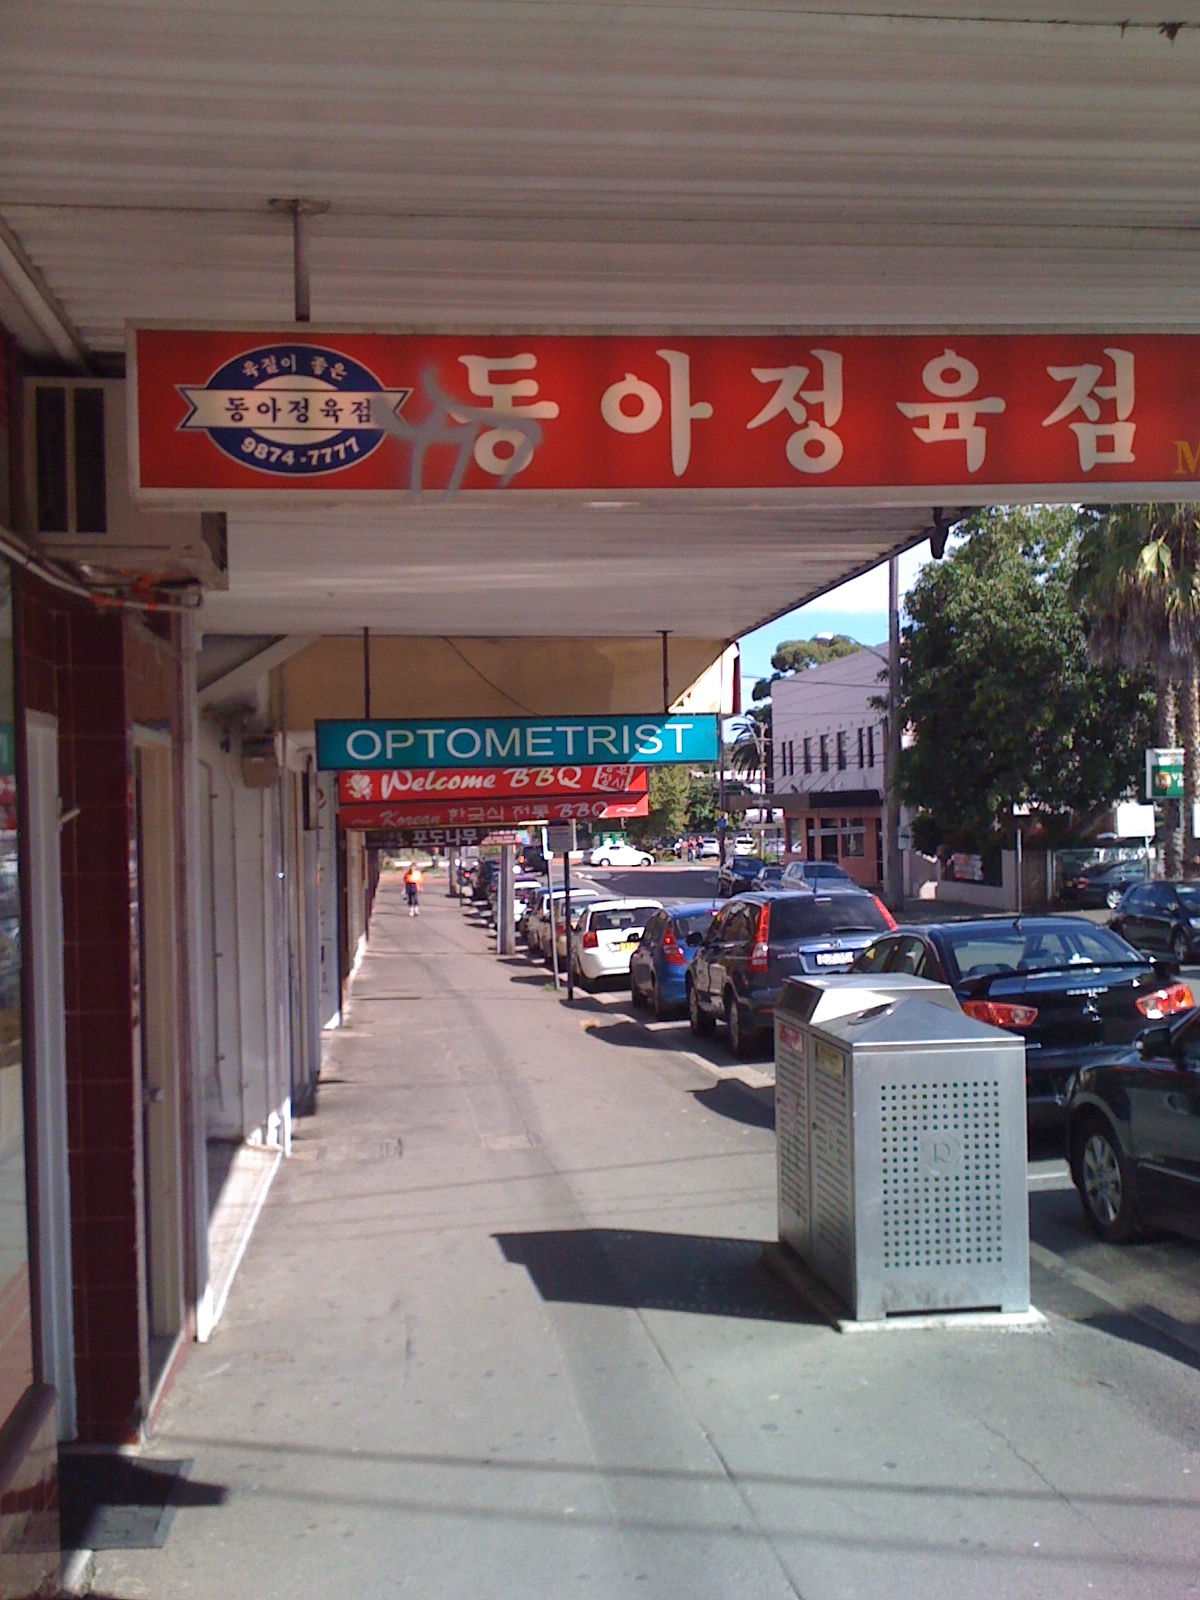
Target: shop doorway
(159,1169)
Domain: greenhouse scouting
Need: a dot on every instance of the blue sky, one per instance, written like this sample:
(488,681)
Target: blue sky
(857,608)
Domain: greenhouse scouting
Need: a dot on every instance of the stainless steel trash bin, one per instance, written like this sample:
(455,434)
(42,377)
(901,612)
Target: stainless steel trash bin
(900,1127)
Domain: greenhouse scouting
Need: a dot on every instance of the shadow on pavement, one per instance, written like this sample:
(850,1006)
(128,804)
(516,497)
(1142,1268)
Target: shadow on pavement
(739,1102)
(653,1272)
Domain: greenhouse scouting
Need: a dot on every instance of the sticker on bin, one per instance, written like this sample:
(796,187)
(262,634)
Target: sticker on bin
(834,958)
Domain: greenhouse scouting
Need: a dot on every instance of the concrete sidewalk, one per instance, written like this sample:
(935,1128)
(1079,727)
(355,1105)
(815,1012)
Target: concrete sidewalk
(502,1333)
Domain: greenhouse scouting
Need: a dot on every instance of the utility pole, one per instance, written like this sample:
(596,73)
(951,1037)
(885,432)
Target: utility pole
(893,870)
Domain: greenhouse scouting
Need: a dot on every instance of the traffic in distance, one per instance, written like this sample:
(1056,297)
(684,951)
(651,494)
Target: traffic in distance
(1109,1021)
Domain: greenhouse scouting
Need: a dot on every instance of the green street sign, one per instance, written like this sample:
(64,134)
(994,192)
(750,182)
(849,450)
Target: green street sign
(1164,774)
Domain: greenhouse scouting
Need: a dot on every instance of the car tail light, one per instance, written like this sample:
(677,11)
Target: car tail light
(1000,1014)
(672,954)
(884,912)
(591,941)
(1166,1002)
(758,955)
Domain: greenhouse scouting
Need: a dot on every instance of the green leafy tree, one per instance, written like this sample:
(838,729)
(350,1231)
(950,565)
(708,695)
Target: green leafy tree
(798,655)
(1138,580)
(668,814)
(998,692)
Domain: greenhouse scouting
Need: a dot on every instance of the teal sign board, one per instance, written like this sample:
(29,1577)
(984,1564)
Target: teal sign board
(515,742)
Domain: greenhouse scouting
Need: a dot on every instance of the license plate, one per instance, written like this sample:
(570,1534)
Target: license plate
(834,958)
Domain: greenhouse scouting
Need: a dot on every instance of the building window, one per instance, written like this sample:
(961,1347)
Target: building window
(810,837)
(808,755)
(841,751)
(854,838)
(871,747)
(862,758)
(824,753)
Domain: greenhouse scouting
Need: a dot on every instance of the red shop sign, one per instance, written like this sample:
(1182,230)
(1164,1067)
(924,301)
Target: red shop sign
(518,783)
(487,813)
(295,412)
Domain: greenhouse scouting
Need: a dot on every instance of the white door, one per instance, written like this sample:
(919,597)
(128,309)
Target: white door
(45,946)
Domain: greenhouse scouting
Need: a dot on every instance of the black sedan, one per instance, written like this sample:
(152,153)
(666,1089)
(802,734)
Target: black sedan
(1133,1135)
(1161,918)
(1071,989)
(738,873)
(1103,884)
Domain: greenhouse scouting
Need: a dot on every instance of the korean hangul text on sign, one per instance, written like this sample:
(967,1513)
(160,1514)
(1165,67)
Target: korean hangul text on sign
(683,411)
(1084,395)
(514,397)
(814,447)
(953,416)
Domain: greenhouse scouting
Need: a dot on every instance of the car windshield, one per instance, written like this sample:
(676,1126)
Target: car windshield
(823,915)
(1046,947)
(694,922)
(616,921)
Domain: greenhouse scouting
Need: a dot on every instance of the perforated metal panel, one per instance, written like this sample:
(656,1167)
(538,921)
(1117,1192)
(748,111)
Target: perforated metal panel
(902,1147)
(940,1174)
(792,1131)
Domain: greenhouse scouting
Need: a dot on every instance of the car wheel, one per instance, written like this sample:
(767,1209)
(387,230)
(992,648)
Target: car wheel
(741,1040)
(702,1025)
(1180,948)
(1104,1179)
(603,861)
(1113,898)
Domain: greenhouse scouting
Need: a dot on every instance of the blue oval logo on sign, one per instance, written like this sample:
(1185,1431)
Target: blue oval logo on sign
(293,410)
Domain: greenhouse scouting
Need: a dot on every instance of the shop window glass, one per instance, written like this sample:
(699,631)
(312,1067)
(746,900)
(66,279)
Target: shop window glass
(854,838)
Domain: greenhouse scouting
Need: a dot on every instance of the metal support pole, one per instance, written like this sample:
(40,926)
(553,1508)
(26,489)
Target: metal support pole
(300,211)
(892,866)
(1020,864)
(367,674)
(566,921)
(505,941)
(550,914)
(666,674)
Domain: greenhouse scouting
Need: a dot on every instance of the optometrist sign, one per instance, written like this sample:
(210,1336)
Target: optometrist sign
(508,742)
(226,415)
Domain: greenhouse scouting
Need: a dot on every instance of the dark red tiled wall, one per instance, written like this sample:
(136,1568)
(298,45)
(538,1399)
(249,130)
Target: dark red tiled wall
(73,660)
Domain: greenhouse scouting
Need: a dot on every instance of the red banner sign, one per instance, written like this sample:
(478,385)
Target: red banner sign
(300,411)
(517,783)
(494,813)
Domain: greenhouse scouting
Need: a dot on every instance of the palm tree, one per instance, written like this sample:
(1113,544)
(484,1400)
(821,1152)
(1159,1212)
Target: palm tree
(1138,581)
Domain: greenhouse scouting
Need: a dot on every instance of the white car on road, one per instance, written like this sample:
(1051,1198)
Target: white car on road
(608,933)
(618,855)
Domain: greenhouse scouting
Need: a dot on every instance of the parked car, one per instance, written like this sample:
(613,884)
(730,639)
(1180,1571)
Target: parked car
(1102,884)
(768,876)
(757,940)
(1073,991)
(738,873)
(530,859)
(816,874)
(580,901)
(1133,1134)
(607,934)
(1160,918)
(618,855)
(744,845)
(538,922)
(708,850)
(658,967)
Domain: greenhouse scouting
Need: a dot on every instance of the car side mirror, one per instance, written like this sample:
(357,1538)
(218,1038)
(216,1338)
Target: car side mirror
(1155,1043)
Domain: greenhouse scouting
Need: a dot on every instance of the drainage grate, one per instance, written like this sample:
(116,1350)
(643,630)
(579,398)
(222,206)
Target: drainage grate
(941,1174)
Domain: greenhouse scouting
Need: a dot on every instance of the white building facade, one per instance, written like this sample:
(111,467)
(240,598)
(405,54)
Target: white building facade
(828,750)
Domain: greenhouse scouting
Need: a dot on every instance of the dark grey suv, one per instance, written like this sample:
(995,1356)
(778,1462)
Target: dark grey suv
(757,940)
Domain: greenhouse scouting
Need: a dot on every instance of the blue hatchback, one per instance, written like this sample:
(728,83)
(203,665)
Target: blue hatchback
(658,968)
